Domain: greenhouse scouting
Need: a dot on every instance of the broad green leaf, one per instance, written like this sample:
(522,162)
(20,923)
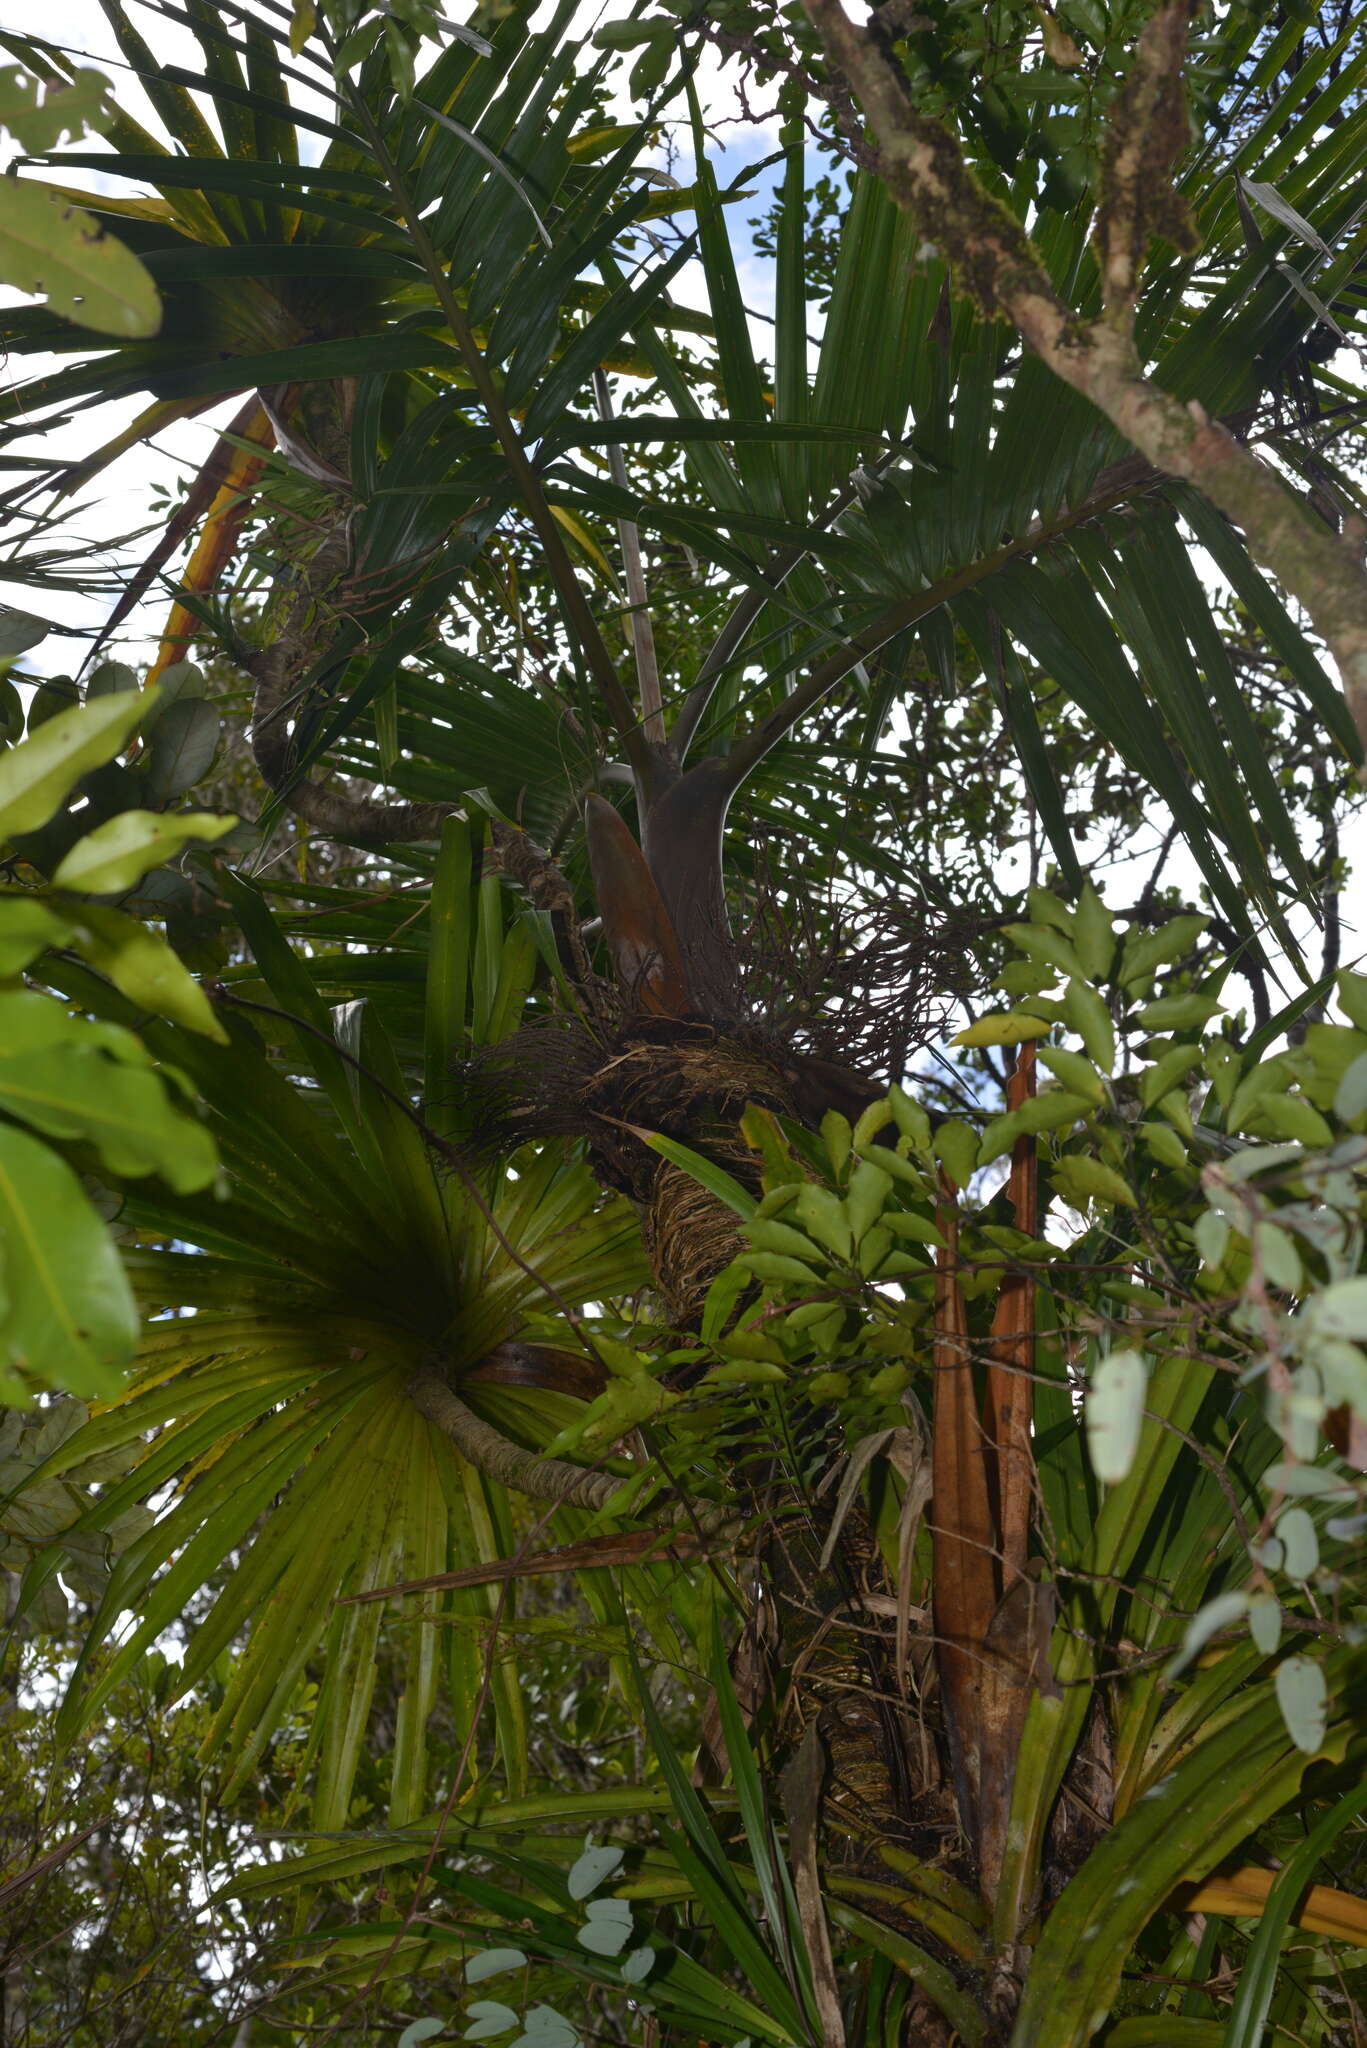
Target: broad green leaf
(1178,1013)
(1145,951)
(1350,1097)
(1303,1696)
(1075,1071)
(955,1145)
(38,774)
(1300,1544)
(493,1962)
(1055,1110)
(767,1234)
(1007,1027)
(910,1118)
(124,1112)
(1341,1309)
(1080,1179)
(1265,1621)
(184,742)
(27,927)
(1115,1412)
(56,249)
(143,967)
(592,1869)
(112,679)
(19,631)
(607,1930)
(488,2018)
(418,2031)
(119,852)
(67,1314)
(1216,1614)
(1087,1014)
(64,110)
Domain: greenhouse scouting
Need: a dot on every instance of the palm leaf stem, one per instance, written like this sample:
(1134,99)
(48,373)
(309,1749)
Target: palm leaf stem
(591,643)
(642,631)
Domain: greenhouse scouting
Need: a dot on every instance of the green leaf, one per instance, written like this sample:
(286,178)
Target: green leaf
(867,1195)
(57,1074)
(1258,1978)
(956,1147)
(143,967)
(119,852)
(607,1930)
(1145,951)
(1165,1145)
(184,742)
(775,1266)
(1081,1180)
(67,1314)
(1084,1010)
(1265,1621)
(1075,1071)
(1352,995)
(1178,1013)
(113,679)
(746,1372)
(67,110)
(1211,1233)
(1115,1413)
(1350,1097)
(911,1120)
(493,1962)
(1341,1309)
(50,246)
(766,1234)
(823,1216)
(1300,1544)
(1093,934)
(19,631)
(37,776)
(1303,1696)
(1045,943)
(592,1869)
(714,1178)
(1163,1076)
(1006,1027)
(1216,1614)
(420,2030)
(1055,1110)
(27,927)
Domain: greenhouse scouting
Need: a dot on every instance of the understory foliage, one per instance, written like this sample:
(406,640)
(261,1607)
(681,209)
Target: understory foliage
(683,1087)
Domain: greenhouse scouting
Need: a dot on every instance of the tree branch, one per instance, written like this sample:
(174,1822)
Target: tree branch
(546,1479)
(924,169)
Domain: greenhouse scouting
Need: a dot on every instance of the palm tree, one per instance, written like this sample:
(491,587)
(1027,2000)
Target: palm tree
(431,430)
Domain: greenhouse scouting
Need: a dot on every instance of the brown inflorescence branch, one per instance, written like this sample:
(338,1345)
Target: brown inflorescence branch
(925,170)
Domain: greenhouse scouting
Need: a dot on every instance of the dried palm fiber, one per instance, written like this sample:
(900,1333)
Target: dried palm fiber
(834,1674)
(684,1079)
(689,1237)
